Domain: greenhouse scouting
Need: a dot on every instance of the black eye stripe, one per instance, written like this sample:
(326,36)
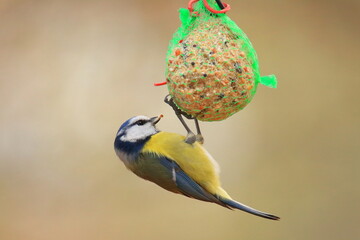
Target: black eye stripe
(140,122)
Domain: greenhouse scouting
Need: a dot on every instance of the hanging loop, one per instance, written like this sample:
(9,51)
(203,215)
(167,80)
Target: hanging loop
(226,7)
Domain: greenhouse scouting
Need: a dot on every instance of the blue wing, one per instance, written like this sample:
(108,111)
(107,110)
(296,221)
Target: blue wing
(186,185)
(167,174)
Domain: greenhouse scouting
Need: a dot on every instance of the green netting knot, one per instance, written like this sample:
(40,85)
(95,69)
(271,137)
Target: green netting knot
(269,81)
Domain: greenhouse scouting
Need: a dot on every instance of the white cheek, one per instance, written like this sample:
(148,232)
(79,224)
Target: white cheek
(136,133)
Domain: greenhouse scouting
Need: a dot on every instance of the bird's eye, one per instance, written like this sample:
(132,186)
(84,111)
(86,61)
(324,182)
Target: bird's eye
(140,122)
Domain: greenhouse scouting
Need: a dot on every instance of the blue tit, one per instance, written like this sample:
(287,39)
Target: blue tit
(166,159)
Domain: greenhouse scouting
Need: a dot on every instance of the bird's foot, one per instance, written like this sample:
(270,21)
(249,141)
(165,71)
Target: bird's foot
(190,138)
(199,138)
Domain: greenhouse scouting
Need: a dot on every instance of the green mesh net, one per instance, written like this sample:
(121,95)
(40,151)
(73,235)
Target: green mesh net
(212,67)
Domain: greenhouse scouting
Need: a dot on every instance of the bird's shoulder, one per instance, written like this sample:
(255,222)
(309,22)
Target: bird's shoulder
(173,146)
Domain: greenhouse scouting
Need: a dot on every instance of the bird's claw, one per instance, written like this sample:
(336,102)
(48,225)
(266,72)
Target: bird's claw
(168,100)
(199,138)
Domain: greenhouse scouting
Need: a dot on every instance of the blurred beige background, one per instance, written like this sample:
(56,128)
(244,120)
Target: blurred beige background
(71,71)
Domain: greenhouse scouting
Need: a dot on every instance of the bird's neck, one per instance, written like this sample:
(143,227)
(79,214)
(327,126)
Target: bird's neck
(130,148)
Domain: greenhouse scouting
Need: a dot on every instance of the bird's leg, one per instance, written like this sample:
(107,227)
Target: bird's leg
(190,137)
(199,136)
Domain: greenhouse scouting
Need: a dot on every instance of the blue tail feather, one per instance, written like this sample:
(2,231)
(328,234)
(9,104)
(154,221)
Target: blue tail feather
(233,204)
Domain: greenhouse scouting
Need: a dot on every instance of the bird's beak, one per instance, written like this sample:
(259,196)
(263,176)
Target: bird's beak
(155,120)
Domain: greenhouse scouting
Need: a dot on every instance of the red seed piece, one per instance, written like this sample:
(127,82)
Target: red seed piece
(225,82)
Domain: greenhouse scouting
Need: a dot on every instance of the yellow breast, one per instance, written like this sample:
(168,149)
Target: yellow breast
(193,159)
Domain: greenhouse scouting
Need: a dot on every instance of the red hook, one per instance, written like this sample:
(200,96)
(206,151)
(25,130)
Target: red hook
(190,6)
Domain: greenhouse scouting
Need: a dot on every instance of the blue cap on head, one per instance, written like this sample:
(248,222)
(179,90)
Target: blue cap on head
(125,124)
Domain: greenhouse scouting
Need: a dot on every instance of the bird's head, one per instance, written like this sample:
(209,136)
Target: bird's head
(138,129)
(132,136)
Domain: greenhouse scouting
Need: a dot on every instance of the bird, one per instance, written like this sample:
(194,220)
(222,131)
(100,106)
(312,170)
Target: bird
(167,160)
